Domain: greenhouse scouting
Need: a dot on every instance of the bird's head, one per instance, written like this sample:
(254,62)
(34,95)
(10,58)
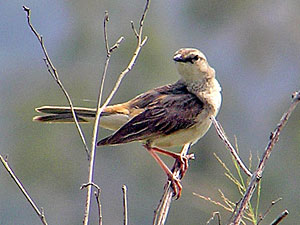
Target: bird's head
(192,64)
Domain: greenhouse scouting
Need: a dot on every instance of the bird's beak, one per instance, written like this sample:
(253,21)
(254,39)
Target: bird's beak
(178,58)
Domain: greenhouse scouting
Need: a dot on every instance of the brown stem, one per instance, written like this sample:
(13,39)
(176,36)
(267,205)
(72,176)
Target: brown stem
(257,175)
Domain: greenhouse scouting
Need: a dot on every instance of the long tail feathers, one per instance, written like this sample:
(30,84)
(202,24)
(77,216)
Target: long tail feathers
(61,114)
(112,117)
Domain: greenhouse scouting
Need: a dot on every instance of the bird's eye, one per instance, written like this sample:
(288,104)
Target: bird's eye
(192,58)
(196,57)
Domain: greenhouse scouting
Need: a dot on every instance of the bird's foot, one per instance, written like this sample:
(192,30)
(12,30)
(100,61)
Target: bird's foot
(184,162)
(176,186)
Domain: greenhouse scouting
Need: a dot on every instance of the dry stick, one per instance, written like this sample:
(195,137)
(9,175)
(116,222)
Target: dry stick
(125,208)
(40,213)
(217,215)
(234,153)
(97,121)
(280,217)
(97,195)
(53,72)
(267,211)
(140,44)
(161,212)
(257,175)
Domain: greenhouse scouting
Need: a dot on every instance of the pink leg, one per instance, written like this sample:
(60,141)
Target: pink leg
(183,160)
(175,182)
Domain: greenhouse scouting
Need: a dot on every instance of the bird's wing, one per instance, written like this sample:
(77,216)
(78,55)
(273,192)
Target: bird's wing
(171,109)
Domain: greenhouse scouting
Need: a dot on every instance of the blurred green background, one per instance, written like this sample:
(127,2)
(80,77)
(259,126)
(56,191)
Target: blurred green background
(254,47)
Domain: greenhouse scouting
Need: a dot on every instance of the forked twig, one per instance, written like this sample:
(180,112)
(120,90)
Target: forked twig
(53,72)
(40,213)
(140,43)
(162,210)
(257,175)
(97,122)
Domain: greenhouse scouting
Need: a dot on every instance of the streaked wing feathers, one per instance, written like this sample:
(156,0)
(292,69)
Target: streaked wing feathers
(172,108)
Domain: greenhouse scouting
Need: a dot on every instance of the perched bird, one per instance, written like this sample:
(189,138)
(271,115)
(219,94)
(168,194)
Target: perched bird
(170,115)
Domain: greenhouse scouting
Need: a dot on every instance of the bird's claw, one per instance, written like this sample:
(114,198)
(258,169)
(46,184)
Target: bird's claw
(184,162)
(176,186)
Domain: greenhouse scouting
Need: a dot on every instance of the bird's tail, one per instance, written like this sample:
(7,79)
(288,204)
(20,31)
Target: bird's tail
(111,119)
(62,114)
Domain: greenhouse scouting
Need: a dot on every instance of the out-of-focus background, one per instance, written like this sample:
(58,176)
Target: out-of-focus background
(254,47)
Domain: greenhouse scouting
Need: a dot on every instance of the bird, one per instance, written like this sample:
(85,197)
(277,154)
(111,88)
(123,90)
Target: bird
(170,115)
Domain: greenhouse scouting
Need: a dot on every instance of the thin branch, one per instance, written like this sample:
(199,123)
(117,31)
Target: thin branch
(125,208)
(40,213)
(217,215)
(106,19)
(140,43)
(97,195)
(229,208)
(257,175)
(229,146)
(268,210)
(96,126)
(116,45)
(90,184)
(133,29)
(280,217)
(53,72)
(162,210)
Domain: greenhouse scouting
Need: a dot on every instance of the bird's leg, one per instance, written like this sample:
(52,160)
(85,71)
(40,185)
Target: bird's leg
(175,182)
(182,160)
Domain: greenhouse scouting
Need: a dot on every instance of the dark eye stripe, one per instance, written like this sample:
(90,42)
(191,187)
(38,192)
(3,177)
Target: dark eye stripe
(191,58)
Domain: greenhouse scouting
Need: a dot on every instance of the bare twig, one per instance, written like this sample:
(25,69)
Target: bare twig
(125,208)
(217,215)
(140,43)
(229,208)
(53,72)
(96,125)
(133,28)
(162,210)
(90,184)
(268,210)
(280,217)
(234,210)
(257,175)
(234,153)
(97,195)
(40,213)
